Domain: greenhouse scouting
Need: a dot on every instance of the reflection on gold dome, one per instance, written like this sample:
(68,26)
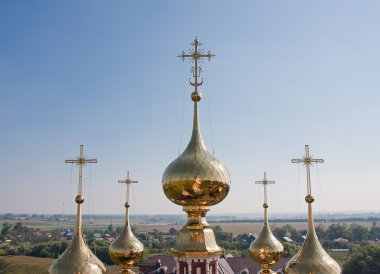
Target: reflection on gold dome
(78,257)
(196,177)
(266,249)
(126,249)
(196,181)
(311,258)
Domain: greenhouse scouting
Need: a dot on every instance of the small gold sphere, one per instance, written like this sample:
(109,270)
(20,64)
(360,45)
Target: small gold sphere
(79,199)
(309,199)
(196,96)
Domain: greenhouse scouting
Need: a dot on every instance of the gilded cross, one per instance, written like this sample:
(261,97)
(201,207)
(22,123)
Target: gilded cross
(265,182)
(196,55)
(81,160)
(307,160)
(127,181)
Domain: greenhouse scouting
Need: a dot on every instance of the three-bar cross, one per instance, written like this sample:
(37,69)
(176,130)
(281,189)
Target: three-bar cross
(196,55)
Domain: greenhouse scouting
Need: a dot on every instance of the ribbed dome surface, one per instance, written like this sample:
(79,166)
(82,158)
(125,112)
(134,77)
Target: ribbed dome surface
(77,258)
(312,258)
(196,178)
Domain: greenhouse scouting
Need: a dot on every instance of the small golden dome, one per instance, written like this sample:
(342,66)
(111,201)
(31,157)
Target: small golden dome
(312,258)
(126,249)
(196,178)
(78,257)
(266,249)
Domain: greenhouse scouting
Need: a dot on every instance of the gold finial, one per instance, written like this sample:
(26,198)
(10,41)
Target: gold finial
(194,56)
(311,258)
(266,249)
(81,160)
(126,249)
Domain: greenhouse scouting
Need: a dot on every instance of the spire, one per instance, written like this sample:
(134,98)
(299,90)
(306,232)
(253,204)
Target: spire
(126,249)
(311,258)
(266,249)
(78,258)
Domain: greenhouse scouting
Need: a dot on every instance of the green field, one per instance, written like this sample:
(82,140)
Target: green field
(32,265)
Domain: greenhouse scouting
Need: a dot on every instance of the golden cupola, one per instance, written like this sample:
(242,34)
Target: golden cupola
(126,249)
(78,258)
(196,180)
(266,249)
(311,258)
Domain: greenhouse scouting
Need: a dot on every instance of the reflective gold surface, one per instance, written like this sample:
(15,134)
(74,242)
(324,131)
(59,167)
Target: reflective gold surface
(196,181)
(312,258)
(266,249)
(77,258)
(196,239)
(126,249)
(196,177)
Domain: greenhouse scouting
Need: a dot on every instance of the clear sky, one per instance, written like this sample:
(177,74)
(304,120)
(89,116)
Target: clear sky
(105,74)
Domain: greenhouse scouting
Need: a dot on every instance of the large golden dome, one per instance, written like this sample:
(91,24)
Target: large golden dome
(196,178)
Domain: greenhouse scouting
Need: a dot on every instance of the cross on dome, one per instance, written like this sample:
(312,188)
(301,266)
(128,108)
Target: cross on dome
(80,161)
(195,55)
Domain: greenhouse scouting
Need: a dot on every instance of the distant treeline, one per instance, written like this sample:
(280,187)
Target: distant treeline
(299,220)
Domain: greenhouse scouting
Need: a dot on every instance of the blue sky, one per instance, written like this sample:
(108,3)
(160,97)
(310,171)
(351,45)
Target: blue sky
(105,74)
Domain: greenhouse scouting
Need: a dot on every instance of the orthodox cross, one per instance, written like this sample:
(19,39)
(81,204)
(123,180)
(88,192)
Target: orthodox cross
(265,182)
(307,160)
(127,181)
(196,55)
(81,160)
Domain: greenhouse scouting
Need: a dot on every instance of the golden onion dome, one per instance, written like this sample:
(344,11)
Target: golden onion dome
(77,258)
(126,249)
(266,249)
(312,258)
(196,178)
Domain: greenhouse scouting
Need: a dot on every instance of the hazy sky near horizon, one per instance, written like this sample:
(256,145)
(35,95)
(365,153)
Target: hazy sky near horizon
(105,74)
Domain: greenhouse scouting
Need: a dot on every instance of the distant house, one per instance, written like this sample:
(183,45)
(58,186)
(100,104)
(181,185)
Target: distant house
(48,235)
(97,236)
(287,239)
(173,233)
(110,239)
(341,240)
(37,234)
(252,237)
